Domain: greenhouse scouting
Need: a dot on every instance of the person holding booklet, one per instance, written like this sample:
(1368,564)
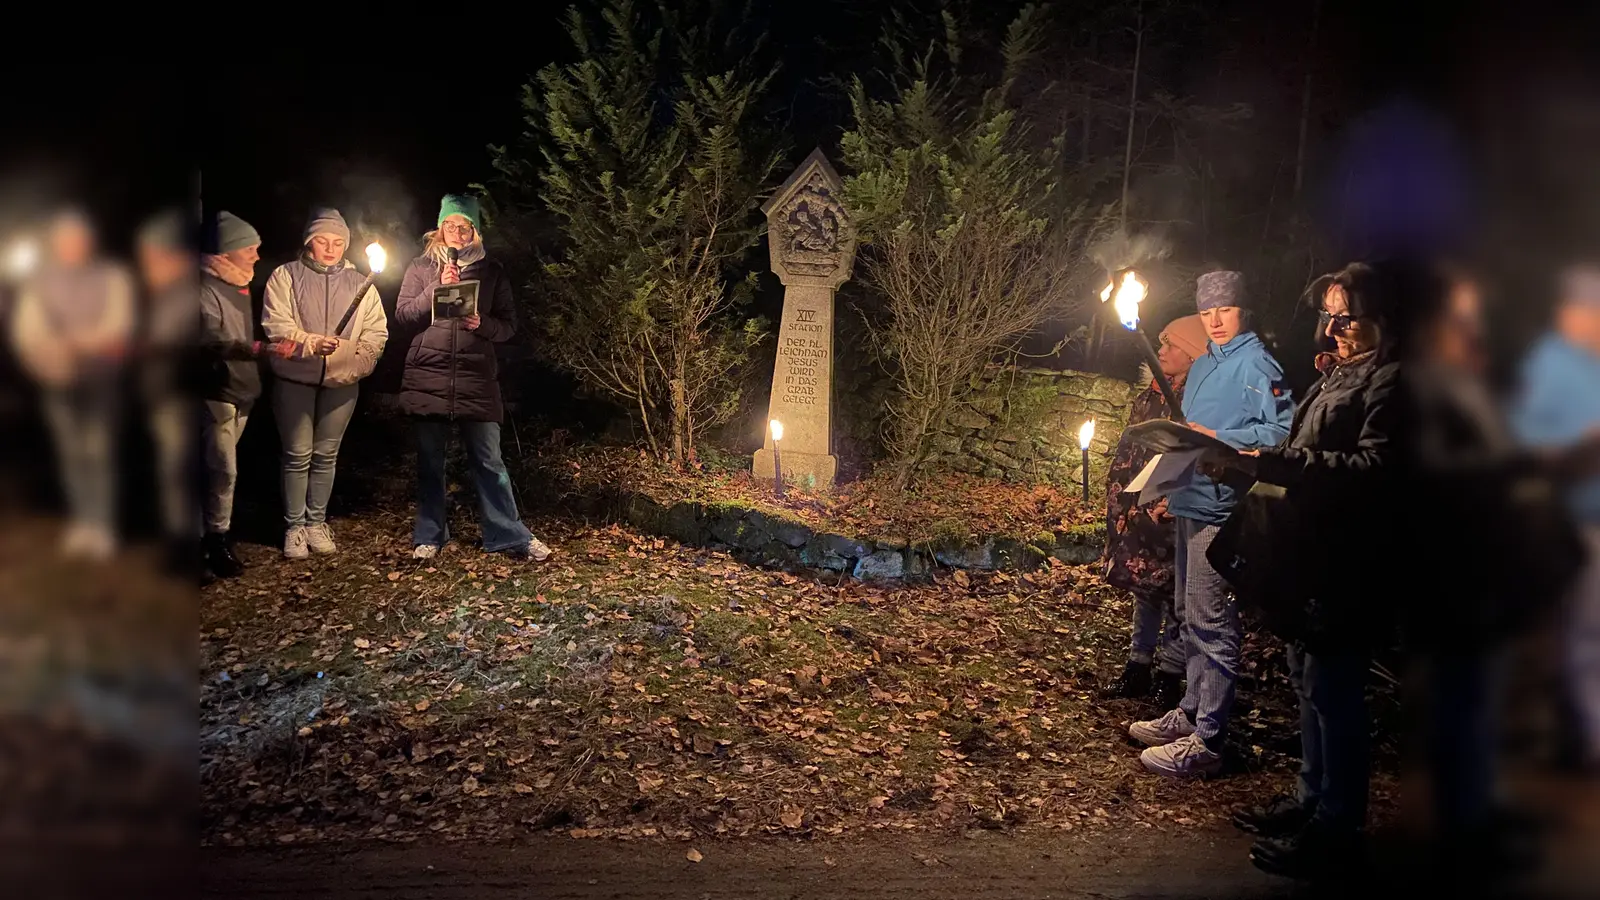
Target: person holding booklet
(452,378)
(1236,393)
(1339,468)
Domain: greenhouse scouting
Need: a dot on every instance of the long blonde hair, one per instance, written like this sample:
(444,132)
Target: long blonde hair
(434,247)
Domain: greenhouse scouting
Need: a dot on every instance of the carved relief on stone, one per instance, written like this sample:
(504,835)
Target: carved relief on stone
(813,228)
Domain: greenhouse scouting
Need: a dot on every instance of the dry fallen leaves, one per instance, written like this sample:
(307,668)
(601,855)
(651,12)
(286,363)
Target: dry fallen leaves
(693,855)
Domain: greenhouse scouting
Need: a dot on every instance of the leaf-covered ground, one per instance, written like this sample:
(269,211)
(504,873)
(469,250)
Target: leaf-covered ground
(633,687)
(937,505)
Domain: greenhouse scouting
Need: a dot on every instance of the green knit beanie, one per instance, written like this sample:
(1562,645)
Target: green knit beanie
(463,205)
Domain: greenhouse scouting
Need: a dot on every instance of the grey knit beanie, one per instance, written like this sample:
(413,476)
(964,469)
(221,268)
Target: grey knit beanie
(327,220)
(234,233)
(165,230)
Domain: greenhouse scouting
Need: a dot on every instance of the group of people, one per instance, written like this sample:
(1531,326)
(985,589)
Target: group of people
(78,328)
(1388,508)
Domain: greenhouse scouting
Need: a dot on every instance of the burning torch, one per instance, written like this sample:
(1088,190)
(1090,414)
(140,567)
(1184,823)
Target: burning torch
(1124,294)
(376,259)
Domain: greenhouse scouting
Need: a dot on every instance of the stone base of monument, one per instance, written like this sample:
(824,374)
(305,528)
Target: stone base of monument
(811,471)
(774,538)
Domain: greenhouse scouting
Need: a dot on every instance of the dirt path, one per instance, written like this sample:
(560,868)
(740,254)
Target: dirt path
(1057,865)
(978,864)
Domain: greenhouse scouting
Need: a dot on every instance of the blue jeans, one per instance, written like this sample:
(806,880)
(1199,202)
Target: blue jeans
(1209,624)
(1462,735)
(1334,741)
(497,505)
(1156,635)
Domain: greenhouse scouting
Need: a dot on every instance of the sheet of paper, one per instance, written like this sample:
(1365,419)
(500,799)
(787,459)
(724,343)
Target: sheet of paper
(1165,473)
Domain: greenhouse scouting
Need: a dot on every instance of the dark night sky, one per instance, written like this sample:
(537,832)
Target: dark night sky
(404,121)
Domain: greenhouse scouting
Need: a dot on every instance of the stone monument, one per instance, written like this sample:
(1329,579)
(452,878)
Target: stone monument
(813,247)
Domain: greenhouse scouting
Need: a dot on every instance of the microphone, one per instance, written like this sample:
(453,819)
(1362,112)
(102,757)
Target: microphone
(454,255)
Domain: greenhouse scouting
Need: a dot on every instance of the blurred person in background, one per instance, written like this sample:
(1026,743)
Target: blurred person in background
(170,322)
(70,328)
(1475,587)
(1235,392)
(316,389)
(1139,545)
(1557,409)
(231,380)
(1337,469)
(452,378)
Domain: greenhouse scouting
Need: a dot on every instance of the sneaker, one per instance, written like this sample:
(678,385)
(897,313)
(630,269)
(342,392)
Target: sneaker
(1133,682)
(75,541)
(424,551)
(1155,732)
(1282,816)
(320,538)
(101,545)
(294,543)
(1186,757)
(537,551)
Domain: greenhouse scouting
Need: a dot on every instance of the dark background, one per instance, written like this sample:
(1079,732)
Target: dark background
(380,124)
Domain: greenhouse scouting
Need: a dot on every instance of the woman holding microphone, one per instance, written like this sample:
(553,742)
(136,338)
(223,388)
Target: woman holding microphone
(452,378)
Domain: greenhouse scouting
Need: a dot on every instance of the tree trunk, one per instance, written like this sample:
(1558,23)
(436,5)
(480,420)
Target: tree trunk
(1305,106)
(1133,109)
(680,418)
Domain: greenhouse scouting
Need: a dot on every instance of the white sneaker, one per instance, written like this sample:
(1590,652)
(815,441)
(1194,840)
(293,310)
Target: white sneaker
(1186,757)
(537,551)
(294,543)
(320,538)
(1156,732)
(75,541)
(424,551)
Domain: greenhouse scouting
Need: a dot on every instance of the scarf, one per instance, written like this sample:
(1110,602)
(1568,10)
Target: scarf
(225,269)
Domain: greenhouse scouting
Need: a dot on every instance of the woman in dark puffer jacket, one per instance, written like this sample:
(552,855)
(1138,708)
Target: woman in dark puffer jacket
(451,376)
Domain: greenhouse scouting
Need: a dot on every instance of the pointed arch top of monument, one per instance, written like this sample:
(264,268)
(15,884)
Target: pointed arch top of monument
(815,161)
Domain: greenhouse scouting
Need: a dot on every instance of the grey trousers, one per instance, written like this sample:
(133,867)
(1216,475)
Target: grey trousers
(83,424)
(224,424)
(171,420)
(311,424)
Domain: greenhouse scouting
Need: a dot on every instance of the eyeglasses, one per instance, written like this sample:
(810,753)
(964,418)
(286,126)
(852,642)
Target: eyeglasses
(457,227)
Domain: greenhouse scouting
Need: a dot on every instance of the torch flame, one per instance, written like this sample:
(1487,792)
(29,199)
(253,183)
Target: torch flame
(1128,296)
(777,430)
(376,258)
(1085,434)
(23,257)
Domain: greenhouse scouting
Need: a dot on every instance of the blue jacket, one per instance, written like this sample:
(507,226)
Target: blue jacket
(1237,389)
(1558,404)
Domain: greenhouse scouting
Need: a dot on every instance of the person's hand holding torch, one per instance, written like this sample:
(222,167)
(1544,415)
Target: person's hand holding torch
(1125,294)
(376,259)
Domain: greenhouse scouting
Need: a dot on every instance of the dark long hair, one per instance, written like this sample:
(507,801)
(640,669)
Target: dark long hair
(1401,294)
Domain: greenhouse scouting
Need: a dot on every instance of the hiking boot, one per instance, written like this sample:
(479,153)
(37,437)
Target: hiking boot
(1133,682)
(294,543)
(219,558)
(1316,852)
(1281,816)
(1186,757)
(424,551)
(319,538)
(1155,732)
(1168,690)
